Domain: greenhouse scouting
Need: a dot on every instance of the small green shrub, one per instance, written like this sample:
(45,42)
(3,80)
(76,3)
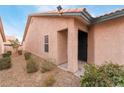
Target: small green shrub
(31,66)
(19,52)
(49,81)
(47,66)
(108,75)
(5,63)
(27,55)
(8,54)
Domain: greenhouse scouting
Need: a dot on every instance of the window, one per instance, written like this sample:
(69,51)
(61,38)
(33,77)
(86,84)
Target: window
(46,43)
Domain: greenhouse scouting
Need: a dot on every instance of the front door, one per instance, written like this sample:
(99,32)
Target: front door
(82,46)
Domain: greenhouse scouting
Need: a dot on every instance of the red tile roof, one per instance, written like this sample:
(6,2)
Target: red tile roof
(78,10)
(72,10)
(112,12)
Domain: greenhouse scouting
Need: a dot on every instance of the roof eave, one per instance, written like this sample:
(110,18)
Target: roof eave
(26,28)
(87,17)
(83,14)
(108,17)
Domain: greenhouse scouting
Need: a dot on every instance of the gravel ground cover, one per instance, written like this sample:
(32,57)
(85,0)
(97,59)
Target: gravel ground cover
(17,76)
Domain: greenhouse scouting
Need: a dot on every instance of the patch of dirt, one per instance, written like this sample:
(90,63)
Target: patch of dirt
(17,76)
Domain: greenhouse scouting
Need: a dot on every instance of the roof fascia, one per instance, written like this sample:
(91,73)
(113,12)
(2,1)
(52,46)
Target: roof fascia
(26,28)
(83,14)
(108,17)
(87,18)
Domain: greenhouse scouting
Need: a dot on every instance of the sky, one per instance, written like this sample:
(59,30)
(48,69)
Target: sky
(14,18)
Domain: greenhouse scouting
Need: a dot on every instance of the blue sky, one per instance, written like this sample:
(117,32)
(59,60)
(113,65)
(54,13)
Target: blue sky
(14,18)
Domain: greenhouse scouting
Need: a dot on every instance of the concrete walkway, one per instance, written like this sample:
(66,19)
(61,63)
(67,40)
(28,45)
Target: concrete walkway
(80,68)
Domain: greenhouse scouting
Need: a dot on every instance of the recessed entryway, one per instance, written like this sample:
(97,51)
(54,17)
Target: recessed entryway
(62,37)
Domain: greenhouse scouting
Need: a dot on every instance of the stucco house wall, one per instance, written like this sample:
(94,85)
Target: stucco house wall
(107,42)
(62,38)
(2,38)
(7,44)
(105,37)
(1,45)
(91,49)
(41,26)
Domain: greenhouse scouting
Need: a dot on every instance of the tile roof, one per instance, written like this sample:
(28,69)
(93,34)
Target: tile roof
(72,10)
(112,12)
(78,10)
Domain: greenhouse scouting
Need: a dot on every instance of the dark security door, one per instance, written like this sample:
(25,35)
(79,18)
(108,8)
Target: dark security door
(82,45)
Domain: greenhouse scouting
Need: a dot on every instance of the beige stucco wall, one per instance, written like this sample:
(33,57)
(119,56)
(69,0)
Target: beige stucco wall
(41,26)
(8,48)
(91,49)
(105,40)
(62,37)
(108,42)
(1,45)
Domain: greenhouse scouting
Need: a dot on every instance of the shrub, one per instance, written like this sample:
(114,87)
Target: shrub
(49,81)
(31,66)
(5,63)
(8,54)
(47,66)
(20,52)
(108,75)
(27,55)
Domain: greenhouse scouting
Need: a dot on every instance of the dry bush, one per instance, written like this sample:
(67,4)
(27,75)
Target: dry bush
(5,63)
(31,66)
(19,52)
(47,66)
(27,55)
(49,81)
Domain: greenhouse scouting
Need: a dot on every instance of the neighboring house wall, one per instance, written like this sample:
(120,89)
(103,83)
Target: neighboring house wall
(1,45)
(41,26)
(8,48)
(2,37)
(108,41)
(23,46)
(7,44)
